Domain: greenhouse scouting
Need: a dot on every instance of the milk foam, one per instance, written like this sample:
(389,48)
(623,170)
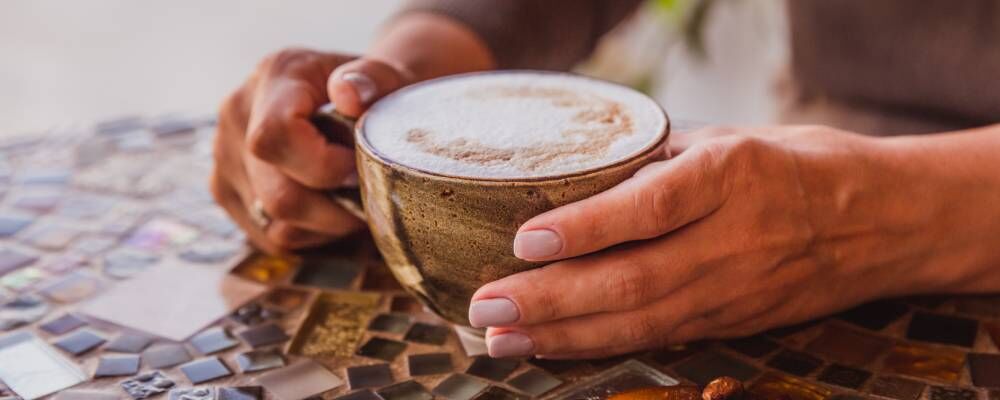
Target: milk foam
(512,125)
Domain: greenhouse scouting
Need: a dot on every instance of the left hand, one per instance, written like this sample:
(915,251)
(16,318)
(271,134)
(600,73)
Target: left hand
(744,230)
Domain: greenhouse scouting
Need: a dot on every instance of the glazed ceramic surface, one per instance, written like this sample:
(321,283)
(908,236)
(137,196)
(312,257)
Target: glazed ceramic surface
(444,236)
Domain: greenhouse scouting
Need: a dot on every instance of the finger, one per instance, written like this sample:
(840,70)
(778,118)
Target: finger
(663,198)
(290,237)
(357,84)
(288,201)
(280,132)
(625,278)
(277,237)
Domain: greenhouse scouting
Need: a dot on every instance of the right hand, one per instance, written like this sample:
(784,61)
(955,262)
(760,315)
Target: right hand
(267,150)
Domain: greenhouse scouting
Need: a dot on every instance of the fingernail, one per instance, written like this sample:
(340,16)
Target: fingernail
(493,312)
(537,244)
(510,344)
(362,84)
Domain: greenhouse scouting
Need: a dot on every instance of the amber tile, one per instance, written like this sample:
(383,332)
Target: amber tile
(897,388)
(774,386)
(848,346)
(934,363)
(266,268)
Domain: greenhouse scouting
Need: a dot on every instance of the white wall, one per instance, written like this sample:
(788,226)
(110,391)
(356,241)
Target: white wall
(81,61)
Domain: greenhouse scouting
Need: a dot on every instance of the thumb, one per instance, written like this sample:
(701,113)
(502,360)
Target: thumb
(355,85)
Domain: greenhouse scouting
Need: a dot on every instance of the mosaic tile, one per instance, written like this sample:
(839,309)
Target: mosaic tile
(498,393)
(129,343)
(213,340)
(79,342)
(363,394)
(166,356)
(117,365)
(254,314)
(63,324)
(494,369)
(390,323)
(429,364)
(944,329)
(369,376)
(627,376)
(795,363)
(12,224)
(897,388)
(260,360)
(147,385)
(11,259)
(205,369)
(534,382)
(848,346)
(706,366)
(985,369)
(459,387)
(841,375)
(753,346)
(943,393)
(382,349)
(405,304)
(263,335)
(335,325)
(201,393)
(240,393)
(921,361)
(773,386)
(409,390)
(22,310)
(299,380)
(427,334)
(328,272)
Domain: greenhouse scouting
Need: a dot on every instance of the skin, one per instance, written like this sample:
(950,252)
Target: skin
(745,229)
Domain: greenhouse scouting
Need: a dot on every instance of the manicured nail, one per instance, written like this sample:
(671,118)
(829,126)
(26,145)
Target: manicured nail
(510,344)
(493,312)
(362,84)
(533,245)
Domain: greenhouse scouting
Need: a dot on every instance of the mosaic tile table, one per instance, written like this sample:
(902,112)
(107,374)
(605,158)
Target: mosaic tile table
(86,208)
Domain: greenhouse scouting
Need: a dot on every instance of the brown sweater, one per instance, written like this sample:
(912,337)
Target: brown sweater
(879,67)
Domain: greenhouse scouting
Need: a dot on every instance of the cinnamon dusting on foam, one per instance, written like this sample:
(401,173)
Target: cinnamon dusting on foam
(597,124)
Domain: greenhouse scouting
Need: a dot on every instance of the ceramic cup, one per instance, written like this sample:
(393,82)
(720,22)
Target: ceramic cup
(445,236)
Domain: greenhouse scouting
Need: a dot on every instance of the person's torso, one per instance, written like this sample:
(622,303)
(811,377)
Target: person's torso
(931,60)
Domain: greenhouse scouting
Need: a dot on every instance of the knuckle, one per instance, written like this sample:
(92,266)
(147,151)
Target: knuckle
(652,210)
(629,286)
(283,203)
(287,60)
(283,236)
(266,139)
(640,328)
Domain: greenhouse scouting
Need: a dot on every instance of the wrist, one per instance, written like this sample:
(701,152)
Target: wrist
(426,45)
(952,180)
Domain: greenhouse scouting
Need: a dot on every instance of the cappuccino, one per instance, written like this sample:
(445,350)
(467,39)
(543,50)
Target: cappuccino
(513,125)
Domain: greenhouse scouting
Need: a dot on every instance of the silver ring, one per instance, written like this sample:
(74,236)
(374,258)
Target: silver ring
(259,215)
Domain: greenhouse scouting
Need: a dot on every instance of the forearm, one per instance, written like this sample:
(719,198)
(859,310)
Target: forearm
(908,215)
(427,46)
(956,178)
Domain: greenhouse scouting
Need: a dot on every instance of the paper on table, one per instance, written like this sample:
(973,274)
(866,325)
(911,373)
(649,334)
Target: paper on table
(173,299)
(32,369)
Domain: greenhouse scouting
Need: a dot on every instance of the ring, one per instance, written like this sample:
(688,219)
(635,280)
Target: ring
(259,215)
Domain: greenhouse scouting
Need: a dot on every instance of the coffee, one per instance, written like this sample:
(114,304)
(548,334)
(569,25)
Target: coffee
(513,125)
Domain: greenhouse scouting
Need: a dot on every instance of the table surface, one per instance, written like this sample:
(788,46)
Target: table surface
(113,185)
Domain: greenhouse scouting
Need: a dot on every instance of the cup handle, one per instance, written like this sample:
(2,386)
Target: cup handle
(338,128)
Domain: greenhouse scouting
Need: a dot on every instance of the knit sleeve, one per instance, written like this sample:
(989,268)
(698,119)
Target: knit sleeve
(536,34)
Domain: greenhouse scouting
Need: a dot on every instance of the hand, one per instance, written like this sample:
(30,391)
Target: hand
(266,149)
(744,230)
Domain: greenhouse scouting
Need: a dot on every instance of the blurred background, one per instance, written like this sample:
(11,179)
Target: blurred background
(69,62)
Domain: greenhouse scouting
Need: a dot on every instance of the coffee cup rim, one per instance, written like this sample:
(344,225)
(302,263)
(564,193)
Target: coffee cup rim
(362,144)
